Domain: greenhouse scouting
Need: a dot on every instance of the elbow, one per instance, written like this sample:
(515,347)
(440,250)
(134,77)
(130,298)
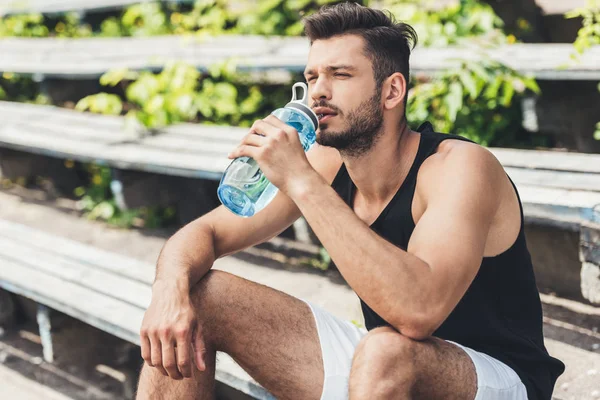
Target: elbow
(418,327)
(418,333)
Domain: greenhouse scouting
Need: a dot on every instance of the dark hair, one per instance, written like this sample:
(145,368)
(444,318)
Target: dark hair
(388,43)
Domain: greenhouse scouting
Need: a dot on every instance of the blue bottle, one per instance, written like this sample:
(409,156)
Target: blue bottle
(244,189)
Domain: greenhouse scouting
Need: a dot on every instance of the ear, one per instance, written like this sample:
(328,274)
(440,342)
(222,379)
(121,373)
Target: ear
(394,90)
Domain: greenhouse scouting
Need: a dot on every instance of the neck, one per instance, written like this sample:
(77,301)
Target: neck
(379,172)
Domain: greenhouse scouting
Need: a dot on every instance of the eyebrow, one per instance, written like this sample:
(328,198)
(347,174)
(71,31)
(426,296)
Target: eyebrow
(332,68)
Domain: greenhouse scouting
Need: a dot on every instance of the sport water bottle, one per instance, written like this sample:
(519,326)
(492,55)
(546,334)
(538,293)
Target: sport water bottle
(244,189)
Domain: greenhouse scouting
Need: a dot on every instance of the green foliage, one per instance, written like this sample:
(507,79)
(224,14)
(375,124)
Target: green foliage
(588,35)
(145,19)
(39,26)
(475,100)
(101,103)
(97,203)
(450,24)
(20,88)
(180,93)
(277,17)
(322,262)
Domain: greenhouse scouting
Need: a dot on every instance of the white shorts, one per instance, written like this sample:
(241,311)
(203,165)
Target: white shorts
(339,338)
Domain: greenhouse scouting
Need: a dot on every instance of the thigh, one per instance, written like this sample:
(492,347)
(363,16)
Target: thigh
(272,335)
(449,370)
(445,371)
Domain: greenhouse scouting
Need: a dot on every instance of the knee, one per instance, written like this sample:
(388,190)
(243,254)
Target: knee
(211,288)
(384,356)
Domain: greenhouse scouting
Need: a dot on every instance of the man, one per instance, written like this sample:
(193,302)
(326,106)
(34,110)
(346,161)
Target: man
(427,231)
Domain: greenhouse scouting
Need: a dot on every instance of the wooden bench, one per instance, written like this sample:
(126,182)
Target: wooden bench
(556,187)
(105,290)
(559,190)
(8,7)
(91,57)
(60,6)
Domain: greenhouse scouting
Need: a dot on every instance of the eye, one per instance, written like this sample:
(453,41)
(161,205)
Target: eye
(312,78)
(344,75)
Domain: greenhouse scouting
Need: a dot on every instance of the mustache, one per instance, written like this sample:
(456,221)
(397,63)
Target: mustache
(326,105)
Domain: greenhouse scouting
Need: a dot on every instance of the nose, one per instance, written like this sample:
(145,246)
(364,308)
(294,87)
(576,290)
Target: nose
(320,89)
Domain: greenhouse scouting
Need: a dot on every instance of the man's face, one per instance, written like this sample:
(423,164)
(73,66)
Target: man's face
(344,94)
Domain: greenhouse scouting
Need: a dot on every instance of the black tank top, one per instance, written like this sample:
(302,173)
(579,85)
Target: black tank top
(500,314)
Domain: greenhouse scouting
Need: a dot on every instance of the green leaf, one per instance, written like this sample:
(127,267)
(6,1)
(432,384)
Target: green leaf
(114,76)
(454,100)
(509,91)
(469,83)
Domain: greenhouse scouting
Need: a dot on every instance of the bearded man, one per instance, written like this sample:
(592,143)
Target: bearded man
(426,228)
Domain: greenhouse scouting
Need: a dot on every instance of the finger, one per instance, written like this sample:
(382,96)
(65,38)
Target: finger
(254,139)
(245,151)
(199,351)
(183,357)
(276,122)
(265,128)
(145,348)
(156,354)
(169,360)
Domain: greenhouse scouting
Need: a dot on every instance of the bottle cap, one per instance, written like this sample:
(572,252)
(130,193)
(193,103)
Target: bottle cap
(301,104)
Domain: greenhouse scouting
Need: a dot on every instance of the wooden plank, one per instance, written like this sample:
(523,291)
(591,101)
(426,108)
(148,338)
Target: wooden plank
(549,7)
(554,179)
(126,155)
(550,160)
(61,6)
(116,264)
(103,312)
(85,58)
(70,269)
(559,207)
(59,273)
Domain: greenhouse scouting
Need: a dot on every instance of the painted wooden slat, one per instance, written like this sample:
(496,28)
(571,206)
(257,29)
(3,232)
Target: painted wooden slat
(559,206)
(554,179)
(116,264)
(550,160)
(78,58)
(103,312)
(61,6)
(126,156)
(549,7)
(71,270)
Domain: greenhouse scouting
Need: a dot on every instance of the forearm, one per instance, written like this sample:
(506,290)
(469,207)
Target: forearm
(386,277)
(186,257)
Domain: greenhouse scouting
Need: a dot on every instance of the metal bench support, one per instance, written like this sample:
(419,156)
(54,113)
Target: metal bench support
(43,320)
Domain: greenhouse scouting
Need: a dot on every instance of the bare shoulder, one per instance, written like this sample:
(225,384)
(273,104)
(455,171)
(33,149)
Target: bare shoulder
(460,167)
(461,161)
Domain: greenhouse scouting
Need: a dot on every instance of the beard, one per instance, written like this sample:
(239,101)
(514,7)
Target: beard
(363,128)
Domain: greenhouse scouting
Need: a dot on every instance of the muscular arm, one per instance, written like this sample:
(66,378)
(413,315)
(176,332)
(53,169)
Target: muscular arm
(191,252)
(414,290)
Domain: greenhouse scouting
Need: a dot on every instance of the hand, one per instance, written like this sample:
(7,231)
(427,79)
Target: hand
(277,149)
(171,335)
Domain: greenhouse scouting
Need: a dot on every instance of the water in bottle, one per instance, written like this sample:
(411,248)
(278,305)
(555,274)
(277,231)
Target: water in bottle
(244,189)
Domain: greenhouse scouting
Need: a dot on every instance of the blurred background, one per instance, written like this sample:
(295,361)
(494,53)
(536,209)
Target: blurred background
(116,117)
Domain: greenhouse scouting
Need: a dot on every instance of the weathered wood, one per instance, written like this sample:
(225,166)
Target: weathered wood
(126,267)
(548,160)
(549,7)
(91,285)
(89,276)
(88,58)
(556,187)
(61,6)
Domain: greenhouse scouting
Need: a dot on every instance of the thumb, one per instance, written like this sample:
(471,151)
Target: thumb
(199,350)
